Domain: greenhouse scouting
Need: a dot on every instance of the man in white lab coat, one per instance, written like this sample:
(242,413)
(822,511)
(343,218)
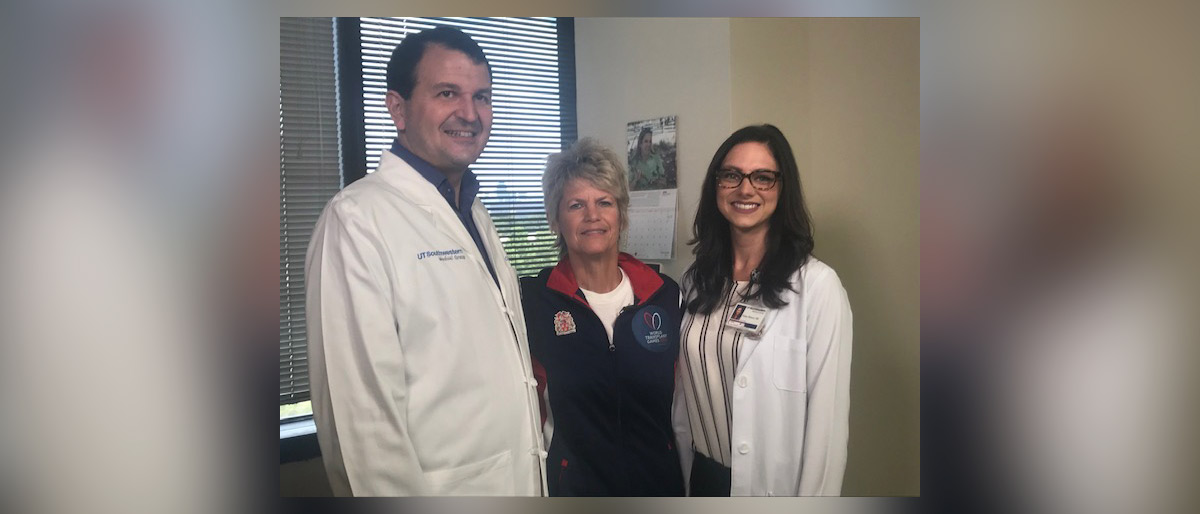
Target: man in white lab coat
(418,358)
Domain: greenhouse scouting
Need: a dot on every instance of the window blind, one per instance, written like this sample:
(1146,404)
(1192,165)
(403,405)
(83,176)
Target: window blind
(309,175)
(526,125)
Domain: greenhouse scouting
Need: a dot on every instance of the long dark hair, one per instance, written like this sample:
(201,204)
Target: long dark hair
(789,236)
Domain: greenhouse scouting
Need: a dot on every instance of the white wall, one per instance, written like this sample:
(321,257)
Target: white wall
(630,69)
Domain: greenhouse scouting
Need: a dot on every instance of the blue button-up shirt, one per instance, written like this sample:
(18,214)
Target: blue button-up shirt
(468,189)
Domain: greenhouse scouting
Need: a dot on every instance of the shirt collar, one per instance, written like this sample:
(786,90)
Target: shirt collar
(432,174)
(643,278)
(469,184)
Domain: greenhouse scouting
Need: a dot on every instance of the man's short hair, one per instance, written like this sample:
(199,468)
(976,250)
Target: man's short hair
(402,68)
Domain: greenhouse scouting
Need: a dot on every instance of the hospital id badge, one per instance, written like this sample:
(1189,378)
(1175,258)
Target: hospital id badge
(747,318)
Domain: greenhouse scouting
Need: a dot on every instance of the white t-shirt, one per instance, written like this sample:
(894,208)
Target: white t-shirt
(608,305)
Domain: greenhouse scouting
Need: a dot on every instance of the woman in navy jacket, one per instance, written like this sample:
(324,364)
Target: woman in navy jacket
(604,335)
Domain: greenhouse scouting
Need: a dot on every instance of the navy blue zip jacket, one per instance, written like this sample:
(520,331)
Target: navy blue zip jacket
(606,410)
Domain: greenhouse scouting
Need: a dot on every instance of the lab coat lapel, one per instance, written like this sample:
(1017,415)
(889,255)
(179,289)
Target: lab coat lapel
(749,344)
(495,250)
(789,296)
(442,217)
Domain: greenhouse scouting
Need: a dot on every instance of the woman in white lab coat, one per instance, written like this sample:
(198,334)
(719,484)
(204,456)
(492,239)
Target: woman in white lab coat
(762,396)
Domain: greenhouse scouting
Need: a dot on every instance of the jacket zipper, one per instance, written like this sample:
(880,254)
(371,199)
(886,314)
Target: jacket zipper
(612,347)
(616,370)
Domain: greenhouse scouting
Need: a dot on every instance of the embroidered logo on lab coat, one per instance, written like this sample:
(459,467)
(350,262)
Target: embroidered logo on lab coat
(648,328)
(564,323)
(453,254)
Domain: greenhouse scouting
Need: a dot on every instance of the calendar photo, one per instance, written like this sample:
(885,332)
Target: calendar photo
(651,151)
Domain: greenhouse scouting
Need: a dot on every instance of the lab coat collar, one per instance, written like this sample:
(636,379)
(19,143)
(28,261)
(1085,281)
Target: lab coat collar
(644,280)
(407,182)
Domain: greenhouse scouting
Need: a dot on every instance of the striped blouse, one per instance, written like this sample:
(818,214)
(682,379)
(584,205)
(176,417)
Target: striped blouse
(708,364)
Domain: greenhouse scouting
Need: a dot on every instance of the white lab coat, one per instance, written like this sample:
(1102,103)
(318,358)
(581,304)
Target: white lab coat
(419,365)
(790,396)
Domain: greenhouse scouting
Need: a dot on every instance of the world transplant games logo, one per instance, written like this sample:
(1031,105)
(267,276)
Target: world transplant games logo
(652,328)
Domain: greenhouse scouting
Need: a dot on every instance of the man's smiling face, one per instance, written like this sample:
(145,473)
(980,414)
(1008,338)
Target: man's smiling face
(448,118)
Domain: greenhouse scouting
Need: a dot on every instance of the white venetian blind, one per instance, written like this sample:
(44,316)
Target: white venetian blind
(309,175)
(523,53)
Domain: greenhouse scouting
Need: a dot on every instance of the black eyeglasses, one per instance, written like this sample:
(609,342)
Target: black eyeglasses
(762,180)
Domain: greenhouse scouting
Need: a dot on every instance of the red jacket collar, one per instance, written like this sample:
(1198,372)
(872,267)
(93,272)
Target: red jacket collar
(644,280)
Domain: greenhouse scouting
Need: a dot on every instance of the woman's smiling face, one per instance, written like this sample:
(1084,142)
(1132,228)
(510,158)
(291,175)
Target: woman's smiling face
(589,220)
(748,209)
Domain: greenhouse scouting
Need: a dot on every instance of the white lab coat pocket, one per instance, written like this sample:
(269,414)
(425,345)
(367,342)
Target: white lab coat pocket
(789,364)
(492,476)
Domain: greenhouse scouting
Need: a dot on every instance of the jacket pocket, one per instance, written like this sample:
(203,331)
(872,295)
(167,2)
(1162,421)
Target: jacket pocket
(790,365)
(492,476)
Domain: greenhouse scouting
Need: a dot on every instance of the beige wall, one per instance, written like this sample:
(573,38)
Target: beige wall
(846,93)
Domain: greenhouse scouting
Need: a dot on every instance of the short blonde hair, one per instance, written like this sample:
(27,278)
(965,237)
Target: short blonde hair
(589,160)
